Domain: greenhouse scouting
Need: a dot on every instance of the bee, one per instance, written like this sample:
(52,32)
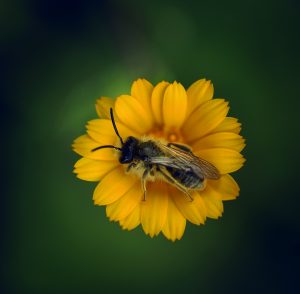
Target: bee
(172,162)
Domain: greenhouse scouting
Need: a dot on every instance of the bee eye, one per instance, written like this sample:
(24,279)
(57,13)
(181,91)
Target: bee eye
(126,158)
(128,150)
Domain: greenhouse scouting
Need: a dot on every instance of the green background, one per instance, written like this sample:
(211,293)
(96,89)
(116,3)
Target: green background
(59,56)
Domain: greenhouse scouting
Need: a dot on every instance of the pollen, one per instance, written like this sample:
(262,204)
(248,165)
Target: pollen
(168,136)
(173,137)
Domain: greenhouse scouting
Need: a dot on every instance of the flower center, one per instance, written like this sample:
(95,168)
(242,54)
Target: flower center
(172,135)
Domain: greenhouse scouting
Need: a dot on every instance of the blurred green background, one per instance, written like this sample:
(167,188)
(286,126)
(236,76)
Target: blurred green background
(59,56)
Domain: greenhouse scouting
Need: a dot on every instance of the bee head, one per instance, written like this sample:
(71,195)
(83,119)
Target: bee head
(128,150)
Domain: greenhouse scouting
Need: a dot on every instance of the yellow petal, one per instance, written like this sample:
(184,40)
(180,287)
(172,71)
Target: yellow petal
(132,220)
(175,222)
(191,210)
(141,89)
(204,119)
(154,209)
(113,186)
(132,114)
(102,131)
(126,204)
(198,93)
(157,101)
(93,170)
(226,187)
(200,204)
(174,106)
(103,106)
(84,145)
(225,160)
(222,140)
(229,124)
(213,203)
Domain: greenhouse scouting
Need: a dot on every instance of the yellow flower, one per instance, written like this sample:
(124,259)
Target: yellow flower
(163,112)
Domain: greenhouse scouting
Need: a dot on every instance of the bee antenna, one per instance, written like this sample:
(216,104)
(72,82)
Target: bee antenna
(106,146)
(114,125)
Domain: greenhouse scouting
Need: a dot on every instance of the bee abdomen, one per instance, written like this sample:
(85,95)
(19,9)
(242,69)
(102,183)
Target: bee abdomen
(186,178)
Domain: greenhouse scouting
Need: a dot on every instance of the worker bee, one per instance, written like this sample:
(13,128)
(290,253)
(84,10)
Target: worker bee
(174,163)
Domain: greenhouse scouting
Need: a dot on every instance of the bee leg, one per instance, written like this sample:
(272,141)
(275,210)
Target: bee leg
(176,184)
(144,189)
(189,195)
(179,146)
(130,166)
(145,174)
(185,191)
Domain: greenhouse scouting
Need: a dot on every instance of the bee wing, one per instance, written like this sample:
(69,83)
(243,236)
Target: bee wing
(180,159)
(168,162)
(207,169)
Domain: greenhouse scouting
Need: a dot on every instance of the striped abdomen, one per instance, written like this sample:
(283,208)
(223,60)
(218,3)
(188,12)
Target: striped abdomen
(188,179)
